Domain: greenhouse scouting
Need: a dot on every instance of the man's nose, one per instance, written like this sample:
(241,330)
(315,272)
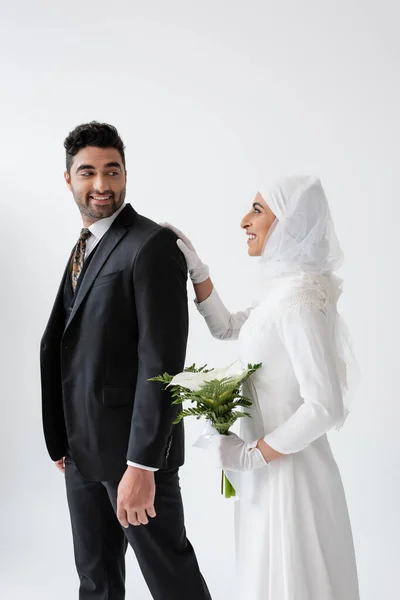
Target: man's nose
(100,184)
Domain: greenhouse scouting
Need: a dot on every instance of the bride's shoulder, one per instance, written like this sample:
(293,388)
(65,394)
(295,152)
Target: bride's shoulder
(305,292)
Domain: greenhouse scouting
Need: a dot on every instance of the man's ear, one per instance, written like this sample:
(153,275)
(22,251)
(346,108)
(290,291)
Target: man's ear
(67,178)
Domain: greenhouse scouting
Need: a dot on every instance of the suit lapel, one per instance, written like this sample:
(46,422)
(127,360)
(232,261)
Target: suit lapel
(106,245)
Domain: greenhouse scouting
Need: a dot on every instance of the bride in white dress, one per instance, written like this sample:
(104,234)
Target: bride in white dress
(293,534)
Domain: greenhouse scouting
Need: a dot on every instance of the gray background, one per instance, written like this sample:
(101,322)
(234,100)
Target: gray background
(209,97)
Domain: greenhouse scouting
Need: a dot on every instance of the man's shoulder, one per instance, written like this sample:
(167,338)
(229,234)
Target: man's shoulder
(145,230)
(142,223)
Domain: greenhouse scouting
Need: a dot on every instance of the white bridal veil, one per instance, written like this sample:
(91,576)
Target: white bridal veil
(302,241)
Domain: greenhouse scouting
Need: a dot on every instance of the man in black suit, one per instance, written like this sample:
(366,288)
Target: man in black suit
(119,318)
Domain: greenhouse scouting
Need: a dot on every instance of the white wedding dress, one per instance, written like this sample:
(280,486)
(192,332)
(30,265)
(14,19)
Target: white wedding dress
(293,534)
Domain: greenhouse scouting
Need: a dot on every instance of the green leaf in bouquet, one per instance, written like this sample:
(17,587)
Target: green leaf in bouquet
(189,412)
(165,378)
(243,401)
(194,369)
(239,415)
(207,402)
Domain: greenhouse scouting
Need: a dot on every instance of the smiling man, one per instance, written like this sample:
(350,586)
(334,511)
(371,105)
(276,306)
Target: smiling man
(119,318)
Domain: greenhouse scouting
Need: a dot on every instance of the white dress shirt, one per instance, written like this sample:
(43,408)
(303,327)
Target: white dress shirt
(98,230)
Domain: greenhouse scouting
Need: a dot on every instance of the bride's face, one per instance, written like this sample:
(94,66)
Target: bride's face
(257,223)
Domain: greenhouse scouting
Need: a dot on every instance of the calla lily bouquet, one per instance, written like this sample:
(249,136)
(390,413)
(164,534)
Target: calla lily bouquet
(215,395)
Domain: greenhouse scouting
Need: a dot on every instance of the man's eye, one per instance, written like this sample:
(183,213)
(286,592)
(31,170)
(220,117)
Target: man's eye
(86,173)
(114,173)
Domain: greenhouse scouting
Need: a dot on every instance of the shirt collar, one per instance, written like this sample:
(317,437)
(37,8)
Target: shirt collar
(100,228)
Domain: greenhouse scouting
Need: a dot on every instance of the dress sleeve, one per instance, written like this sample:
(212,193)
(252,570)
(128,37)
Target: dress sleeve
(222,324)
(306,336)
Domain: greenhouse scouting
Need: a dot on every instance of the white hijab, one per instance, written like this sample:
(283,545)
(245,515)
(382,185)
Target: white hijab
(302,242)
(302,238)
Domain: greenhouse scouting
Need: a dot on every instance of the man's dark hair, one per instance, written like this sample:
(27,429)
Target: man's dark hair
(99,135)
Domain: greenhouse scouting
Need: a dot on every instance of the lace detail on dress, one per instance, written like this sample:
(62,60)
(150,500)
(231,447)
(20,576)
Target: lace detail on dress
(314,291)
(306,298)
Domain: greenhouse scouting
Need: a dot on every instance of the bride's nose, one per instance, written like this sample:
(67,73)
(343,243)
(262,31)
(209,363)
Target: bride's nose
(245,222)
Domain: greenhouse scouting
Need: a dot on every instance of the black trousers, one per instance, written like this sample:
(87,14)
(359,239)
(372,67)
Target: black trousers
(165,555)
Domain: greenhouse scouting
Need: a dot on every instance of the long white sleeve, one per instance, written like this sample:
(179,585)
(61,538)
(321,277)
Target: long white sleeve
(221,323)
(306,337)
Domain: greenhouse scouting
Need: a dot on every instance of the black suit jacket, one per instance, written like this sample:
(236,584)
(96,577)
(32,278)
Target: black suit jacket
(129,322)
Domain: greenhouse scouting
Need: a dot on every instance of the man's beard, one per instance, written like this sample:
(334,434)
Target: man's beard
(99,212)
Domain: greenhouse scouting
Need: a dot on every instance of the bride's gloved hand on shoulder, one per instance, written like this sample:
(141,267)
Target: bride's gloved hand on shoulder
(230,452)
(198,271)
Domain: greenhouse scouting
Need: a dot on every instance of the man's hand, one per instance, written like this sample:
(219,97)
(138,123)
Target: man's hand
(60,464)
(135,501)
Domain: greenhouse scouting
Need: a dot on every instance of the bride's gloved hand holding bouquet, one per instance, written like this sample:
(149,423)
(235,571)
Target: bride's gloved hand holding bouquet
(215,394)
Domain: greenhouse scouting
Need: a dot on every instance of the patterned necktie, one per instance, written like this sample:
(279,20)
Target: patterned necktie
(79,257)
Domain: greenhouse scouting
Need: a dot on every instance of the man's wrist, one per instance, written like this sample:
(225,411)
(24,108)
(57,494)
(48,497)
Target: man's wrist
(130,463)
(140,472)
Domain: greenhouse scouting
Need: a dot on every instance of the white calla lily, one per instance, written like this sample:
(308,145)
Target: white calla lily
(194,381)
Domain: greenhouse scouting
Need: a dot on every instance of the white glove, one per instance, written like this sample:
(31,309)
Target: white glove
(230,452)
(198,271)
